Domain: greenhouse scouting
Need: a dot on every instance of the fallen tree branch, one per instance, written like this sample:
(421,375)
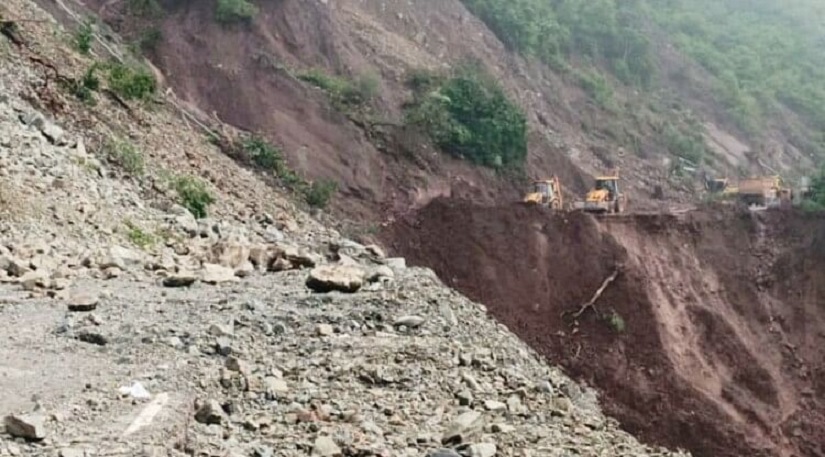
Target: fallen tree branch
(591,303)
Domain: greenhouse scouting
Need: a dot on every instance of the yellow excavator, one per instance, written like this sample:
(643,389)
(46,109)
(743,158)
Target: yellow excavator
(545,193)
(605,196)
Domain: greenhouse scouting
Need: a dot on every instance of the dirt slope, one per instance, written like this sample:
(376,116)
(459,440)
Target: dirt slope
(722,313)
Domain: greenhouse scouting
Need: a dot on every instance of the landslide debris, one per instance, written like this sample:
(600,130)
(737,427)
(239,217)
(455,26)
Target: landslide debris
(707,338)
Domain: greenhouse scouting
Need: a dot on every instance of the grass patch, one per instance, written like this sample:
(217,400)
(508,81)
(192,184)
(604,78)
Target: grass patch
(130,83)
(83,37)
(138,237)
(126,156)
(231,11)
(319,193)
(616,322)
(344,93)
(193,195)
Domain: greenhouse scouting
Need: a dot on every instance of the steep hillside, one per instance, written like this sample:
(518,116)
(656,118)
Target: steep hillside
(159,299)
(657,90)
(707,339)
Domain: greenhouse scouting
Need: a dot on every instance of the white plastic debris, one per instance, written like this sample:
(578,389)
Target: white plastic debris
(136,390)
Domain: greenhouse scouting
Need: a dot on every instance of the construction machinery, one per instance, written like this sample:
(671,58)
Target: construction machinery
(764,192)
(546,193)
(605,196)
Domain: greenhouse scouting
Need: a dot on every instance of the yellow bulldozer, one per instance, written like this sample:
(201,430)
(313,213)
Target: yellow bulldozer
(764,192)
(547,193)
(605,196)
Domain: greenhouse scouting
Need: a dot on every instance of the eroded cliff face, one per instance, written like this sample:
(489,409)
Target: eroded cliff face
(708,338)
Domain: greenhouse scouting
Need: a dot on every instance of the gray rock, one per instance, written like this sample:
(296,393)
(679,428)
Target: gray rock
(380,272)
(324,330)
(72,452)
(92,338)
(410,321)
(493,405)
(181,279)
(236,364)
(325,447)
(444,453)
(463,427)
(479,450)
(396,263)
(30,426)
(83,302)
(331,278)
(276,385)
(217,274)
(210,413)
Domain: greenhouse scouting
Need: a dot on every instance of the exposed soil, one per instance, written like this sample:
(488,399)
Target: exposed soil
(722,312)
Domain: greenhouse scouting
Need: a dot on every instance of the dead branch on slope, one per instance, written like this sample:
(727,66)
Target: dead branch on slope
(590,304)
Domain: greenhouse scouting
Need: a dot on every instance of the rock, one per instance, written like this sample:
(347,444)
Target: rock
(229,254)
(120,257)
(273,235)
(465,398)
(479,450)
(502,428)
(300,257)
(410,321)
(217,274)
(236,364)
(380,272)
(210,413)
(72,452)
(83,302)
(464,426)
(335,278)
(224,346)
(444,453)
(246,269)
(30,426)
(325,447)
(34,280)
(14,266)
(375,251)
(222,329)
(275,385)
(92,338)
(324,330)
(396,263)
(493,405)
(181,279)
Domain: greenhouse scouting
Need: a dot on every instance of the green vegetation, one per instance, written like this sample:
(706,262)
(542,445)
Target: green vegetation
(344,93)
(616,322)
(130,83)
(83,37)
(85,88)
(138,237)
(193,195)
(230,11)
(469,116)
(269,157)
(149,8)
(126,156)
(149,39)
(765,56)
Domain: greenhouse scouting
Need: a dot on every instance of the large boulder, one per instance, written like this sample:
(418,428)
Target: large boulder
(329,278)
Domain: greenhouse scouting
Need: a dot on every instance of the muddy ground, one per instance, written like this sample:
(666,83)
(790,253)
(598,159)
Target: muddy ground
(707,340)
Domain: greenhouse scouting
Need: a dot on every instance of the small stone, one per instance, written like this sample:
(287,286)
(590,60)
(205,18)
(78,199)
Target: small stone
(210,413)
(34,280)
(83,302)
(30,427)
(561,405)
(93,338)
(410,321)
(397,263)
(224,346)
(276,385)
(375,251)
(72,452)
(324,330)
(444,453)
(339,278)
(493,405)
(463,427)
(325,447)
(216,274)
(480,450)
(465,398)
(502,428)
(221,329)
(181,279)
(236,364)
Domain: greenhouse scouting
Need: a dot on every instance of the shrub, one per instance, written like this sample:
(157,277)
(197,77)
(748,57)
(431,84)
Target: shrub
(126,156)
(83,38)
(469,116)
(345,94)
(616,322)
(264,154)
(85,88)
(138,237)
(193,195)
(130,83)
(229,11)
(319,193)
(690,146)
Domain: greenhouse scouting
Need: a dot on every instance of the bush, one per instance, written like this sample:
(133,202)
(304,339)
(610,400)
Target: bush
(690,146)
(319,193)
(126,156)
(193,195)
(469,116)
(345,94)
(264,154)
(138,237)
(616,322)
(229,11)
(85,88)
(130,83)
(83,38)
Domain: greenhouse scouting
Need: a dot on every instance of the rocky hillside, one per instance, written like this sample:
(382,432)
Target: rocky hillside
(662,93)
(160,299)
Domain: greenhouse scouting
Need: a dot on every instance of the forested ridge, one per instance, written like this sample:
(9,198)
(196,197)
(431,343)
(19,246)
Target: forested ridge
(767,57)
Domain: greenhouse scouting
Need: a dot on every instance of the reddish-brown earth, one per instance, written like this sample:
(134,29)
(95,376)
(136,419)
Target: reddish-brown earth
(723,311)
